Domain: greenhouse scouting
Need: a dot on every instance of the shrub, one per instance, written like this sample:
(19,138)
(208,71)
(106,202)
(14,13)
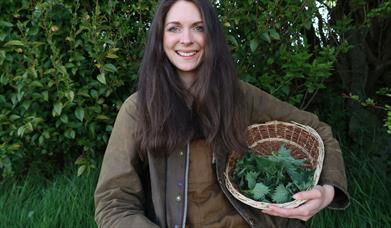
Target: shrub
(68,65)
(279,47)
(66,68)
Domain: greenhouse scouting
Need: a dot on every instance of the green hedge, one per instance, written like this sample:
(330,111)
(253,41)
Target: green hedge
(66,67)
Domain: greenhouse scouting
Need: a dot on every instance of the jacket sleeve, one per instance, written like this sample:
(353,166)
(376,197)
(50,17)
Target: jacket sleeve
(119,196)
(265,107)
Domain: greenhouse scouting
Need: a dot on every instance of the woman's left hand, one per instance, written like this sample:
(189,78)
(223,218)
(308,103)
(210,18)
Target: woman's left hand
(317,199)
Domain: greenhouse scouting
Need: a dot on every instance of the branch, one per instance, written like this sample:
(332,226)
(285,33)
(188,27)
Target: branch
(324,5)
(320,25)
(387,39)
(371,57)
(302,104)
(342,67)
(376,74)
(311,99)
(383,66)
(302,7)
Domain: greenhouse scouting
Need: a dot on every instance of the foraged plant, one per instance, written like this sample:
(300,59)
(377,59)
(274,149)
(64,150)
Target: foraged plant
(272,179)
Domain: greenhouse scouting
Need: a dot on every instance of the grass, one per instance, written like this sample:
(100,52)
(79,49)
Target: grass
(66,200)
(369,191)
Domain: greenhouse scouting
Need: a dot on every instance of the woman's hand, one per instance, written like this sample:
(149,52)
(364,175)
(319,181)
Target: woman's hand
(317,199)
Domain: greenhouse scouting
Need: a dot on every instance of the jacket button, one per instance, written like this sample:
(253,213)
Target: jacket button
(178,198)
(181,153)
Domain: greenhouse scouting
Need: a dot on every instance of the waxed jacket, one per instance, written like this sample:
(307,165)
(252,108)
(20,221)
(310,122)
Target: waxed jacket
(152,192)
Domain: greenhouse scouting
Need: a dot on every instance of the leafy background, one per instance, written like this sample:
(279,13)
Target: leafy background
(66,67)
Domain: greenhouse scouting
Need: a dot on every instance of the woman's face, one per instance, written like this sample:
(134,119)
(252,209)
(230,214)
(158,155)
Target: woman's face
(184,38)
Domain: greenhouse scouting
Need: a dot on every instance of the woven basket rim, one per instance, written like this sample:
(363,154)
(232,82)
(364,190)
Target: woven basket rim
(318,168)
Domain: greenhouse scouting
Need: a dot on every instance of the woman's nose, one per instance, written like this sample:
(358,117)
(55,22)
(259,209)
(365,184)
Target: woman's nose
(186,37)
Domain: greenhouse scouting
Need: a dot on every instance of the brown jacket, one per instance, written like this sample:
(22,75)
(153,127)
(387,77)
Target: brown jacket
(153,193)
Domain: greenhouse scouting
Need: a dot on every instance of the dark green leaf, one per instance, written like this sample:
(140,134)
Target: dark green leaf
(14,43)
(57,109)
(253,45)
(81,170)
(274,34)
(64,119)
(259,191)
(14,117)
(265,36)
(21,131)
(280,194)
(45,95)
(70,134)
(36,84)
(102,117)
(6,24)
(29,127)
(101,78)
(70,95)
(79,113)
(233,40)
(251,178)
(109,68)
(2,56)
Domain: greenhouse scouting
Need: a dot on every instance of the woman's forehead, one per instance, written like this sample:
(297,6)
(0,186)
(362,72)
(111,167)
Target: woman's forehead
(182,12)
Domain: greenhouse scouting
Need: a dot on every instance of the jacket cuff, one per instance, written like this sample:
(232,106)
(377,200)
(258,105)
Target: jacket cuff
(341,198)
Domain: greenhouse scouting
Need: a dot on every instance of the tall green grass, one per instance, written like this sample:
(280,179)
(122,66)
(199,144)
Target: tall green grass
(369,189)
(64,201)
(67,200)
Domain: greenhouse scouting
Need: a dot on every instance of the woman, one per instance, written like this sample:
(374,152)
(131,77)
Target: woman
(164,162)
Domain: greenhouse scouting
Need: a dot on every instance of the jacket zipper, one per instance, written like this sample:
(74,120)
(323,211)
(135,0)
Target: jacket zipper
(186,184)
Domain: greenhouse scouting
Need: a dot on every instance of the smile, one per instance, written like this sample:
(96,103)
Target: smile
(186,54)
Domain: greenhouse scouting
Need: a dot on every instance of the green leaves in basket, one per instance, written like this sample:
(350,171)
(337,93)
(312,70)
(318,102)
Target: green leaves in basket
(251,178)
(273,178)
(259,191)
(284,157)
(303,179)
(280,194)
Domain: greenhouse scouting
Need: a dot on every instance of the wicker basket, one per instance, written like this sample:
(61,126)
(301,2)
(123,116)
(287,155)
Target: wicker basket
(303,141)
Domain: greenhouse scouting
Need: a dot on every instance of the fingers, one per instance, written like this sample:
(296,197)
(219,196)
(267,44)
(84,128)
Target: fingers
(315,202)
(304,212)
(314,193)
(272,213)
(289,213)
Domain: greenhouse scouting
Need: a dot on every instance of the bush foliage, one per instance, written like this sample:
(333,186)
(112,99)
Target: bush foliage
(66,67)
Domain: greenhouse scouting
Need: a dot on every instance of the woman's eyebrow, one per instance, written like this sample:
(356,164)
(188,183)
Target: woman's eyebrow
(179,23)
(198,22)
(172,22)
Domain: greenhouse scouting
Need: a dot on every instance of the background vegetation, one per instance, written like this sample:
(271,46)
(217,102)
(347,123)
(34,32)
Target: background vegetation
(66,67)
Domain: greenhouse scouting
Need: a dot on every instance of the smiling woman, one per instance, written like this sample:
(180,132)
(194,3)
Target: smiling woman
(165,161)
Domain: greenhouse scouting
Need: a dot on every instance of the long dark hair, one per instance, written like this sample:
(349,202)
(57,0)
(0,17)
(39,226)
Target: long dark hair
(166,122)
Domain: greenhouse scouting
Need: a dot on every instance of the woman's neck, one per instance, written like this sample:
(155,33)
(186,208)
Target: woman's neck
(187,78)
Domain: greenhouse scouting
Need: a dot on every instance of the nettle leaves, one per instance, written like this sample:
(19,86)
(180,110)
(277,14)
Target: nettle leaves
(272,179)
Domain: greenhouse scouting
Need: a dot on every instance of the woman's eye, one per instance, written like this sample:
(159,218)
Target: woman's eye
(199,28)
(173,29)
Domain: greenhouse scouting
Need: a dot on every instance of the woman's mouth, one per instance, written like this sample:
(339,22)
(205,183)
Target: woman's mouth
(186,54)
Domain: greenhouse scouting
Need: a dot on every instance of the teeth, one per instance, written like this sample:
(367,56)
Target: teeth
(186,54)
